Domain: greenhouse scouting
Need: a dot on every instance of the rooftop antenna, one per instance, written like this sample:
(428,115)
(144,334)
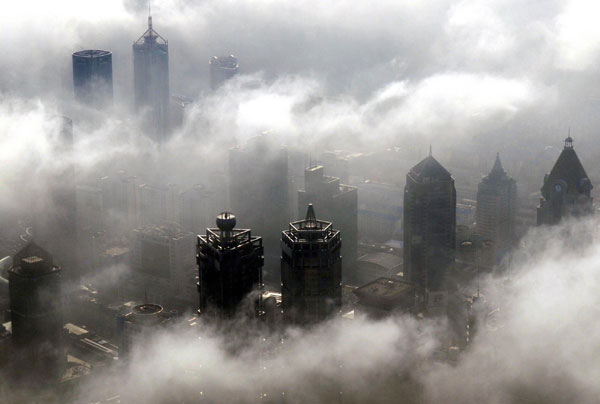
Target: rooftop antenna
(430,150)
(149,15)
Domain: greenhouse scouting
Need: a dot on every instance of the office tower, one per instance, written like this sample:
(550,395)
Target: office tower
(337,203)
(92,77)
(566,189)
(222,68)
(429,224)
(120,201)
(54,210)
(36,313)
(496,208)
(163,265)
(153,204)
(258,192)
(139,325)
(230,264)
(311,270)
(151,81)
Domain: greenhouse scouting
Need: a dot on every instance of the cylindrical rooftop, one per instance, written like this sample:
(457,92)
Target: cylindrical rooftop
(226,221)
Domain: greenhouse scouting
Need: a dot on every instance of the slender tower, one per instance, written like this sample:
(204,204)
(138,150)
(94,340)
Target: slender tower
(429,224)
(151,81)
(92,77)
(230,265)
(311,270)
(566,190)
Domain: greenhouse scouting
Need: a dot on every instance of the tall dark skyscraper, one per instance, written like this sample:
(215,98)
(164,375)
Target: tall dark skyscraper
(337,203)
(311,270)
(230,264)
(222,68)
(151,80)
(429,224)
(496,208)
(36,313)
(258,192)
(92,77)
(566,190)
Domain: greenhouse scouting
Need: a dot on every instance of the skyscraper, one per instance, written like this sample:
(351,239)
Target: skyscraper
(566,190)
(429,224)
(337,203)
(151,81)
(311,270)
(222,68)
(36,313)
(258,192)
(496,208)
(92,77)
(230,264)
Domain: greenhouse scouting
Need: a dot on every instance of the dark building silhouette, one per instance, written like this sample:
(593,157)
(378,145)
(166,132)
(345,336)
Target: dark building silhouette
(151,81)
(230,264)
(36,314)
(496,208)
(566,190)
(429,224)
(258,192)
(337,203)
(311,270)
(92,77)
(222,68)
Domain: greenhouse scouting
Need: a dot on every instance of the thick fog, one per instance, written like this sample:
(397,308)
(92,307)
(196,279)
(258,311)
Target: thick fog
(474,77)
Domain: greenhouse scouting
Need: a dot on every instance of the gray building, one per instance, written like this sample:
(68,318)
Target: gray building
(230,264)
(566,190)
(429,225)
(92,77)
(496,208)
(222,68)
(151,81)
(337,203)
(311,270)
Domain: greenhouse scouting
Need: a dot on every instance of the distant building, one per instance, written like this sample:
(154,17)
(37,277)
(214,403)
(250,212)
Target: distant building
(374,265)
(151,81)
(311,270)
(139,325)
(497,208)
(153,204)
(379,211)
(258,193)
(198,206)
(337,203)
(385,296)
(120,201)
(566,190)
(92,77)
(230,264)
(36,314)
(163,265)
(222,68)
(429,224)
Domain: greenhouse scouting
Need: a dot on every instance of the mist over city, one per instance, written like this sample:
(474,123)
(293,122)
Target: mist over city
(299,202)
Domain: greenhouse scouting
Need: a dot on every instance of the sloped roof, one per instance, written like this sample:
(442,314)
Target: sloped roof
(567,168)
(429,167)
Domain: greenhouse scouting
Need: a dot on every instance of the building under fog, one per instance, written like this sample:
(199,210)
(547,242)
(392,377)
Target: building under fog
(311,270)
(92,77)
(222,68)
(230,265)
(258,193)
(496,208)
(337,203)
(151,81)
(139,325)
(36,315)
(163,265)
(429,224)
(566,190)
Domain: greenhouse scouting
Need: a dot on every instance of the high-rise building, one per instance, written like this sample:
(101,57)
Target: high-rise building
(153,204)
(429,225)
(92,77)
(311,270)
(337,203)
(163,265)
(222,68)
(230,265)
(151,81)
(139,325)
(496,208)
(566,190)
(36,313)
(258,192)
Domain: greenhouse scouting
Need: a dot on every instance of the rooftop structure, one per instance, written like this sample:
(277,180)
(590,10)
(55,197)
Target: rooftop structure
(92,77)
(384,296)
(222,68)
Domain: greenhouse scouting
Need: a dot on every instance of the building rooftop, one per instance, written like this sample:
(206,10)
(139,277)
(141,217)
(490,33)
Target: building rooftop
(429,167)
(567,169)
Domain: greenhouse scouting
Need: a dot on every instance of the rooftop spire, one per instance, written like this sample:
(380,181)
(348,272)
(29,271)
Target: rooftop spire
(569,140)
(497,163)
(311,218)
(149,16)
(430,150)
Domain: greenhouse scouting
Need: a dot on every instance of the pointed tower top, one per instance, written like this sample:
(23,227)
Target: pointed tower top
(569,141)
(149,16)
(430,154)
(311,218)
(497,164)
